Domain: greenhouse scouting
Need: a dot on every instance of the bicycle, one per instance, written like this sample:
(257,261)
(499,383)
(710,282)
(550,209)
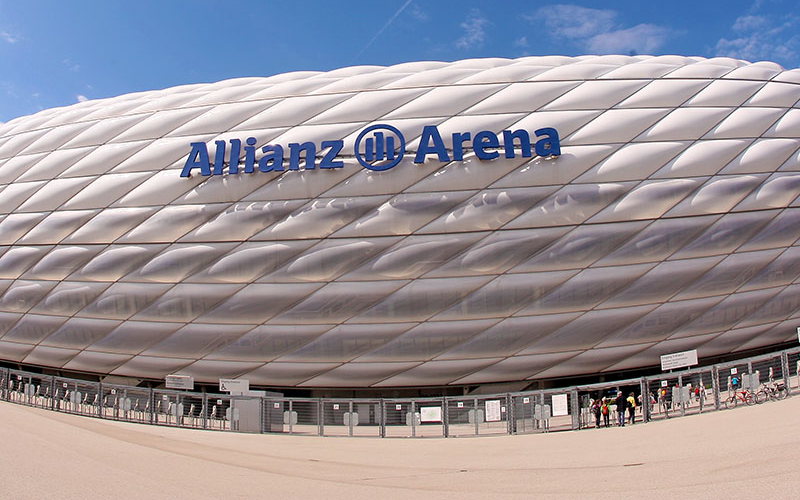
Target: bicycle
(744,396)
(769,391)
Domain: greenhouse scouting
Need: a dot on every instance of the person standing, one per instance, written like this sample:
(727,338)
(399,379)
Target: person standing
(605,410)
(621,402)
(631,409)
(596,404)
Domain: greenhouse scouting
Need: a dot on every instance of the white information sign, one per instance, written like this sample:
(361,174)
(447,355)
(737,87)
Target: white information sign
(430,414)
(180,382)
(678,360)
(460,404)
(560,405)
(335,407)
(238,386)
(493,410)
(664,383)
(734,371)
(526,400)
(398,407)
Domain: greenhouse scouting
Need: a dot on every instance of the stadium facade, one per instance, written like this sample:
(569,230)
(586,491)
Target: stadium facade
(424,224)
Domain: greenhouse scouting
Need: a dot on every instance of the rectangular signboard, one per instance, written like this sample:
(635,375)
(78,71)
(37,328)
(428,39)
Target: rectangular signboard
(678,360)
(234,386)
(493,410)
(560,405)
(430,414)
(180,382)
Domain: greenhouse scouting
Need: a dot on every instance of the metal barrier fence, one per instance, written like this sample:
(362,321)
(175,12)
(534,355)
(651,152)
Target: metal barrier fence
(668,395)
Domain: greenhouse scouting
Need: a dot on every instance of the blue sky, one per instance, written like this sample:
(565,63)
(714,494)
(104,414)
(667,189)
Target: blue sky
(55,53)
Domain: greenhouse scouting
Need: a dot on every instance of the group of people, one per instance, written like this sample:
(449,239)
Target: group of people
(601,408)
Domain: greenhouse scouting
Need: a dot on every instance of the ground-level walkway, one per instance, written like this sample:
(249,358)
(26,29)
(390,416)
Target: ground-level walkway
(748,452)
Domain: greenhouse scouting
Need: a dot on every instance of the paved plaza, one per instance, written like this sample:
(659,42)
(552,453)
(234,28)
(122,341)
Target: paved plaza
(744,453)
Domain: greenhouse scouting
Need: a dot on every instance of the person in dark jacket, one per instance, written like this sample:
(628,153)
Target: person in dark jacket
(621,405)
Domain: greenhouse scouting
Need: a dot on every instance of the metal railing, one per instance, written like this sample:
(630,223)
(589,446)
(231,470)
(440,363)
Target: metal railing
(668,395)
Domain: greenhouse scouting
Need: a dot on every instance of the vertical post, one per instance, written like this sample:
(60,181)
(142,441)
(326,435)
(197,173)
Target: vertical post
(715,385)
(205,409)
(680,394)
(643,390)
(445,418)
(413,418)
(475,408)
(382,417)
(575,407)
(350,417)
(266,412)
(320,418)
(150,397)
(701,388)
(510,414)
(52,392)
(785,371)
(100,399)
(291,420)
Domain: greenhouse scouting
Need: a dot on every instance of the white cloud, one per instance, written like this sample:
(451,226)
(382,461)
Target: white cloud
(747,23)
(644,38)
(8,37)
(760,38)
(574,21)
(81,98)
(70,66)
(598,31)
(474,33)
(521,42)
(418,13)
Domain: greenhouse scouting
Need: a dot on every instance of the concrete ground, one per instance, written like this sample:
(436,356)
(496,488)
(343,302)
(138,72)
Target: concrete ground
(749,452)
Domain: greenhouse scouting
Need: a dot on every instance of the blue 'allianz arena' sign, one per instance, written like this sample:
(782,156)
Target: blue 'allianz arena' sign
(378,147)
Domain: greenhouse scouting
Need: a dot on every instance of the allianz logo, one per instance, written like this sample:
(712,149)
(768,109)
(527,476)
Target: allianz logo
(378,147)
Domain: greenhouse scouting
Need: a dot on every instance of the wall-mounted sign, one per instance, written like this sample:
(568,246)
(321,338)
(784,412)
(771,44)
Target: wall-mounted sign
(234,386)
(678,360)
(493,410)
(179,382)
(430,414)
(560,407)
(378,147)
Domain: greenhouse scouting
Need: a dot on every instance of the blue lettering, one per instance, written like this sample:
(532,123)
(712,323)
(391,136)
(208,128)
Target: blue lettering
(335,148)
(272,161)
(250,155)
(483,141)
(198,158)
(219,157)
(458,145)
(549,145)
(310,151)
(431,142)
(236,147)
(524,142)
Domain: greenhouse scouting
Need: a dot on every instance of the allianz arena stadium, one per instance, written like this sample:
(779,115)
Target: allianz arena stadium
(428,224)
